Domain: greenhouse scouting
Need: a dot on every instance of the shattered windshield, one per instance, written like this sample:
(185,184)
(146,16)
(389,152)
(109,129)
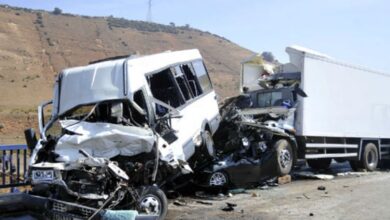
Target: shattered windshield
(269,99)
(274,98)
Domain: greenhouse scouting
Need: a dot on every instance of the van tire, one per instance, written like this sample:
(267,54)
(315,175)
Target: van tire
(207,148)
(319,164)
(284,157)
(370,157)
(155,196)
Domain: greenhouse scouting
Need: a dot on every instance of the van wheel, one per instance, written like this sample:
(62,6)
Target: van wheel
(284,157)
(153,202)
(370,157)
(207,147)
(319,164)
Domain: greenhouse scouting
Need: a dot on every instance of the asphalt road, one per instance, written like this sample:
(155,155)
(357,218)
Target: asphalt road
(353,196)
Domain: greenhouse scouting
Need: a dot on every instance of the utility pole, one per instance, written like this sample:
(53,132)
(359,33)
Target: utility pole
(149,15)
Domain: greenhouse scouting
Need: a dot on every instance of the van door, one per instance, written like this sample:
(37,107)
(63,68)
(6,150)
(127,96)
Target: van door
(171,91)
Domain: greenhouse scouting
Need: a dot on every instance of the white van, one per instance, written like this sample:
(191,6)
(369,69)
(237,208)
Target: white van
(129,124)
(166,99)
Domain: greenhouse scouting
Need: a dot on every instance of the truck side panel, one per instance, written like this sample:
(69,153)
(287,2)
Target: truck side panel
(343,100)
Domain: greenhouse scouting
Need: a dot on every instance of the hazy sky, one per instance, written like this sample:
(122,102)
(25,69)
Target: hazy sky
(356,31)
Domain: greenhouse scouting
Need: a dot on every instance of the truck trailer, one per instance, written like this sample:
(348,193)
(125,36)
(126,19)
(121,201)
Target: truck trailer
(341,110)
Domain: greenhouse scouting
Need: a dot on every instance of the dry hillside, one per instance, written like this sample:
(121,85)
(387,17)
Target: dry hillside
(35,45)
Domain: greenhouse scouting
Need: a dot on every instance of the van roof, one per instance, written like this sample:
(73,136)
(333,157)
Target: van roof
(111,79)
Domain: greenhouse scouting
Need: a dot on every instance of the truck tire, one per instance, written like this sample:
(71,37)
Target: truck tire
(370,157)
(153,201)
(319,164)
(284,157)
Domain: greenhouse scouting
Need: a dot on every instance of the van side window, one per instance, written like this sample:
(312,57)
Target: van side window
(192,80)
(203,77)
(164,88)
(183,83)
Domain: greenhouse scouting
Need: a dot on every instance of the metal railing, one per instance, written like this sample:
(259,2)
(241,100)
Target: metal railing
(13,165)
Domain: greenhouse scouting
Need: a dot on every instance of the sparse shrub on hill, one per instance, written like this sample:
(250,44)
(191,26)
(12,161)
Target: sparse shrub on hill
(140,25)
(49,42)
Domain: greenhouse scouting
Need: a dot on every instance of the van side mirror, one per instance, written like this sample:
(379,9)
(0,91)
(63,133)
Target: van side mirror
(31,138)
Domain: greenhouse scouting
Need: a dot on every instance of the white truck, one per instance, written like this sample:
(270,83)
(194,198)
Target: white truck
(345,116)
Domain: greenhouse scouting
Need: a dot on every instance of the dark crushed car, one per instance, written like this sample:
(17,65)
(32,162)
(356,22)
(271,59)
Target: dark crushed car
(255,139)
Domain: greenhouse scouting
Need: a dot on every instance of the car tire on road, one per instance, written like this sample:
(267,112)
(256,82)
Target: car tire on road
(153,202)
(319,164)
(284,157)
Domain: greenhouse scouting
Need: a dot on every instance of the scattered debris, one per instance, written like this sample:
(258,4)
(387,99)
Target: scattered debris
(307,197)
(273,184)
(284,179)
(357,174)
(204,203)
(237,191)
(264,187)
(1,126)
(311,214)
(311,175)
(204,195)
(229,207)
(180,202)
(321,188)
(254,194)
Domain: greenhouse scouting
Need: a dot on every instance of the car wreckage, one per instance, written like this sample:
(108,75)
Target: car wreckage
(119,132)
(256,138)
(255,142)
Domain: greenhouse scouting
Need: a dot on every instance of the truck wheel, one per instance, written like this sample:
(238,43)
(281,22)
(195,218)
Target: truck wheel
(319,164)
(207,147)
(370,157)
(153,202)
(284,157)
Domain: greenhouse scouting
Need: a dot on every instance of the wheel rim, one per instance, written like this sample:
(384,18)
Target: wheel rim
(285,158)
(218,179)
(151,204)
(371,158)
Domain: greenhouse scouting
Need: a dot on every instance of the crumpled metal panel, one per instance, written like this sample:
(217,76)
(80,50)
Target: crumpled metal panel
(102,140)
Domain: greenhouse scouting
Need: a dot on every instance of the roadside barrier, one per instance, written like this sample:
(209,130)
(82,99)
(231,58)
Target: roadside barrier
(13,165)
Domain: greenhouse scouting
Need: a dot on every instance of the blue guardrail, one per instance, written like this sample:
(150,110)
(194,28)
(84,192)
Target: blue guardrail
(13,165)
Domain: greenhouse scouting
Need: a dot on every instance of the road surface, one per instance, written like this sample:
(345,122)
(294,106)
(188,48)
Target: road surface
(353,196)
